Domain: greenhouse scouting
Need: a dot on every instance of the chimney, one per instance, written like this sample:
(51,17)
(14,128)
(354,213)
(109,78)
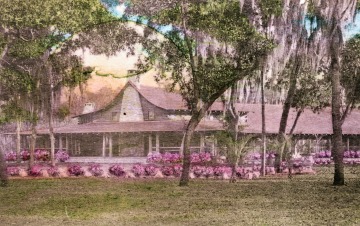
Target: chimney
(89,107)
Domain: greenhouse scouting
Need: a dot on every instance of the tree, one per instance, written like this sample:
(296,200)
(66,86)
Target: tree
(327,19)
(28,34)
(236,148)
(203,54)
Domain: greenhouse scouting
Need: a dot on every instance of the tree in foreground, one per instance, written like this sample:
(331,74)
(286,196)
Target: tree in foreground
(209,48)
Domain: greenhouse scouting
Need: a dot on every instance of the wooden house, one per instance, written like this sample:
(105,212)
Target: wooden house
(144,119)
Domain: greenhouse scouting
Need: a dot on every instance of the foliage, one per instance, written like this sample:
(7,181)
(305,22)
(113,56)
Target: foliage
(235,149)
(13,170)
(35,170)
(96,170)
(10,156)
(117,170)
(350,68)
(61,156)
(75,170)
(167,170)
(42,155)
(270,8)
(151,170)
(53,171)
(25,155)
(138,170)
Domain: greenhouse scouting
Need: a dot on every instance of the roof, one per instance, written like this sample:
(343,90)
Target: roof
(132,127)
(308,123)
(168,100)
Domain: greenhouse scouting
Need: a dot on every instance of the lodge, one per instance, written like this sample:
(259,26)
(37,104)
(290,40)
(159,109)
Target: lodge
(143,119)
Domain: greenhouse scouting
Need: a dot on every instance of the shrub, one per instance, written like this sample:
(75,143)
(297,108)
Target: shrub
(53,171)
(12,171)
(75,170)
(205,156)
(177,169)
(198,170)
(195,158)
(41,155)
(117,170)
(95,170)
(35,171)
(61,156)
(208,171)
(168,157)
(138,170)
(24,155)
(151,170)
(10,156)
(167,170)
(154,158)
(221,170)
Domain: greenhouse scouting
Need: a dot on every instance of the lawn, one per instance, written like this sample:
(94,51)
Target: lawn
(304,200)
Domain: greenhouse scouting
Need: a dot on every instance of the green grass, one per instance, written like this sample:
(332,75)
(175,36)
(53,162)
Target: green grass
(305,200)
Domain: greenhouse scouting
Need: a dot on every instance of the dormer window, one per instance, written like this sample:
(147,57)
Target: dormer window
(115,116)
(151,115)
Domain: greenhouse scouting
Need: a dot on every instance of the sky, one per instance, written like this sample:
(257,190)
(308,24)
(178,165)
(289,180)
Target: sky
(119,64)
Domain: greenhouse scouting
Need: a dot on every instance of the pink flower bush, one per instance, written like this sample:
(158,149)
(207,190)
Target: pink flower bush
(221,170)
(168,157)
(138,170)
(95,170)
(205,156)
(154,158)
(12,171)
(167,170)
(25,155)
(151,170)
(117,170)
(195,158)
(208,171)
(35,171)
(53,171)
(198,170)
(177,170)
(10,156)
(41,155)
(75,170)
(61,156)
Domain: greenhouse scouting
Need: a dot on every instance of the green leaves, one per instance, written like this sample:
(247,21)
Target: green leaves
(350,70)
(270,8)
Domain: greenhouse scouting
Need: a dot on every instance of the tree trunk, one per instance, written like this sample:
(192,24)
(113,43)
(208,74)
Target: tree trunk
(298,114)
(32,144)
(263,124)
(51,118)
(194,121)
(18,140)
(3,173)
(286,109)
(337,151)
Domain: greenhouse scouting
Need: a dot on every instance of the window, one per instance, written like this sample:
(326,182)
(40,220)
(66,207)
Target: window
(114,116)
(151,115)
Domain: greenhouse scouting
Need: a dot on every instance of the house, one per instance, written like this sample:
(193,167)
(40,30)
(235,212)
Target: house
(144,119)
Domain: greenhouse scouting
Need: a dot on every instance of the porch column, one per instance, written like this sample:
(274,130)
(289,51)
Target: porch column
(157,137)
(60,143)
(348,143)
(110,145)
(104,145)
(150,143)
(182,145)
(202,142)
(67,143)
